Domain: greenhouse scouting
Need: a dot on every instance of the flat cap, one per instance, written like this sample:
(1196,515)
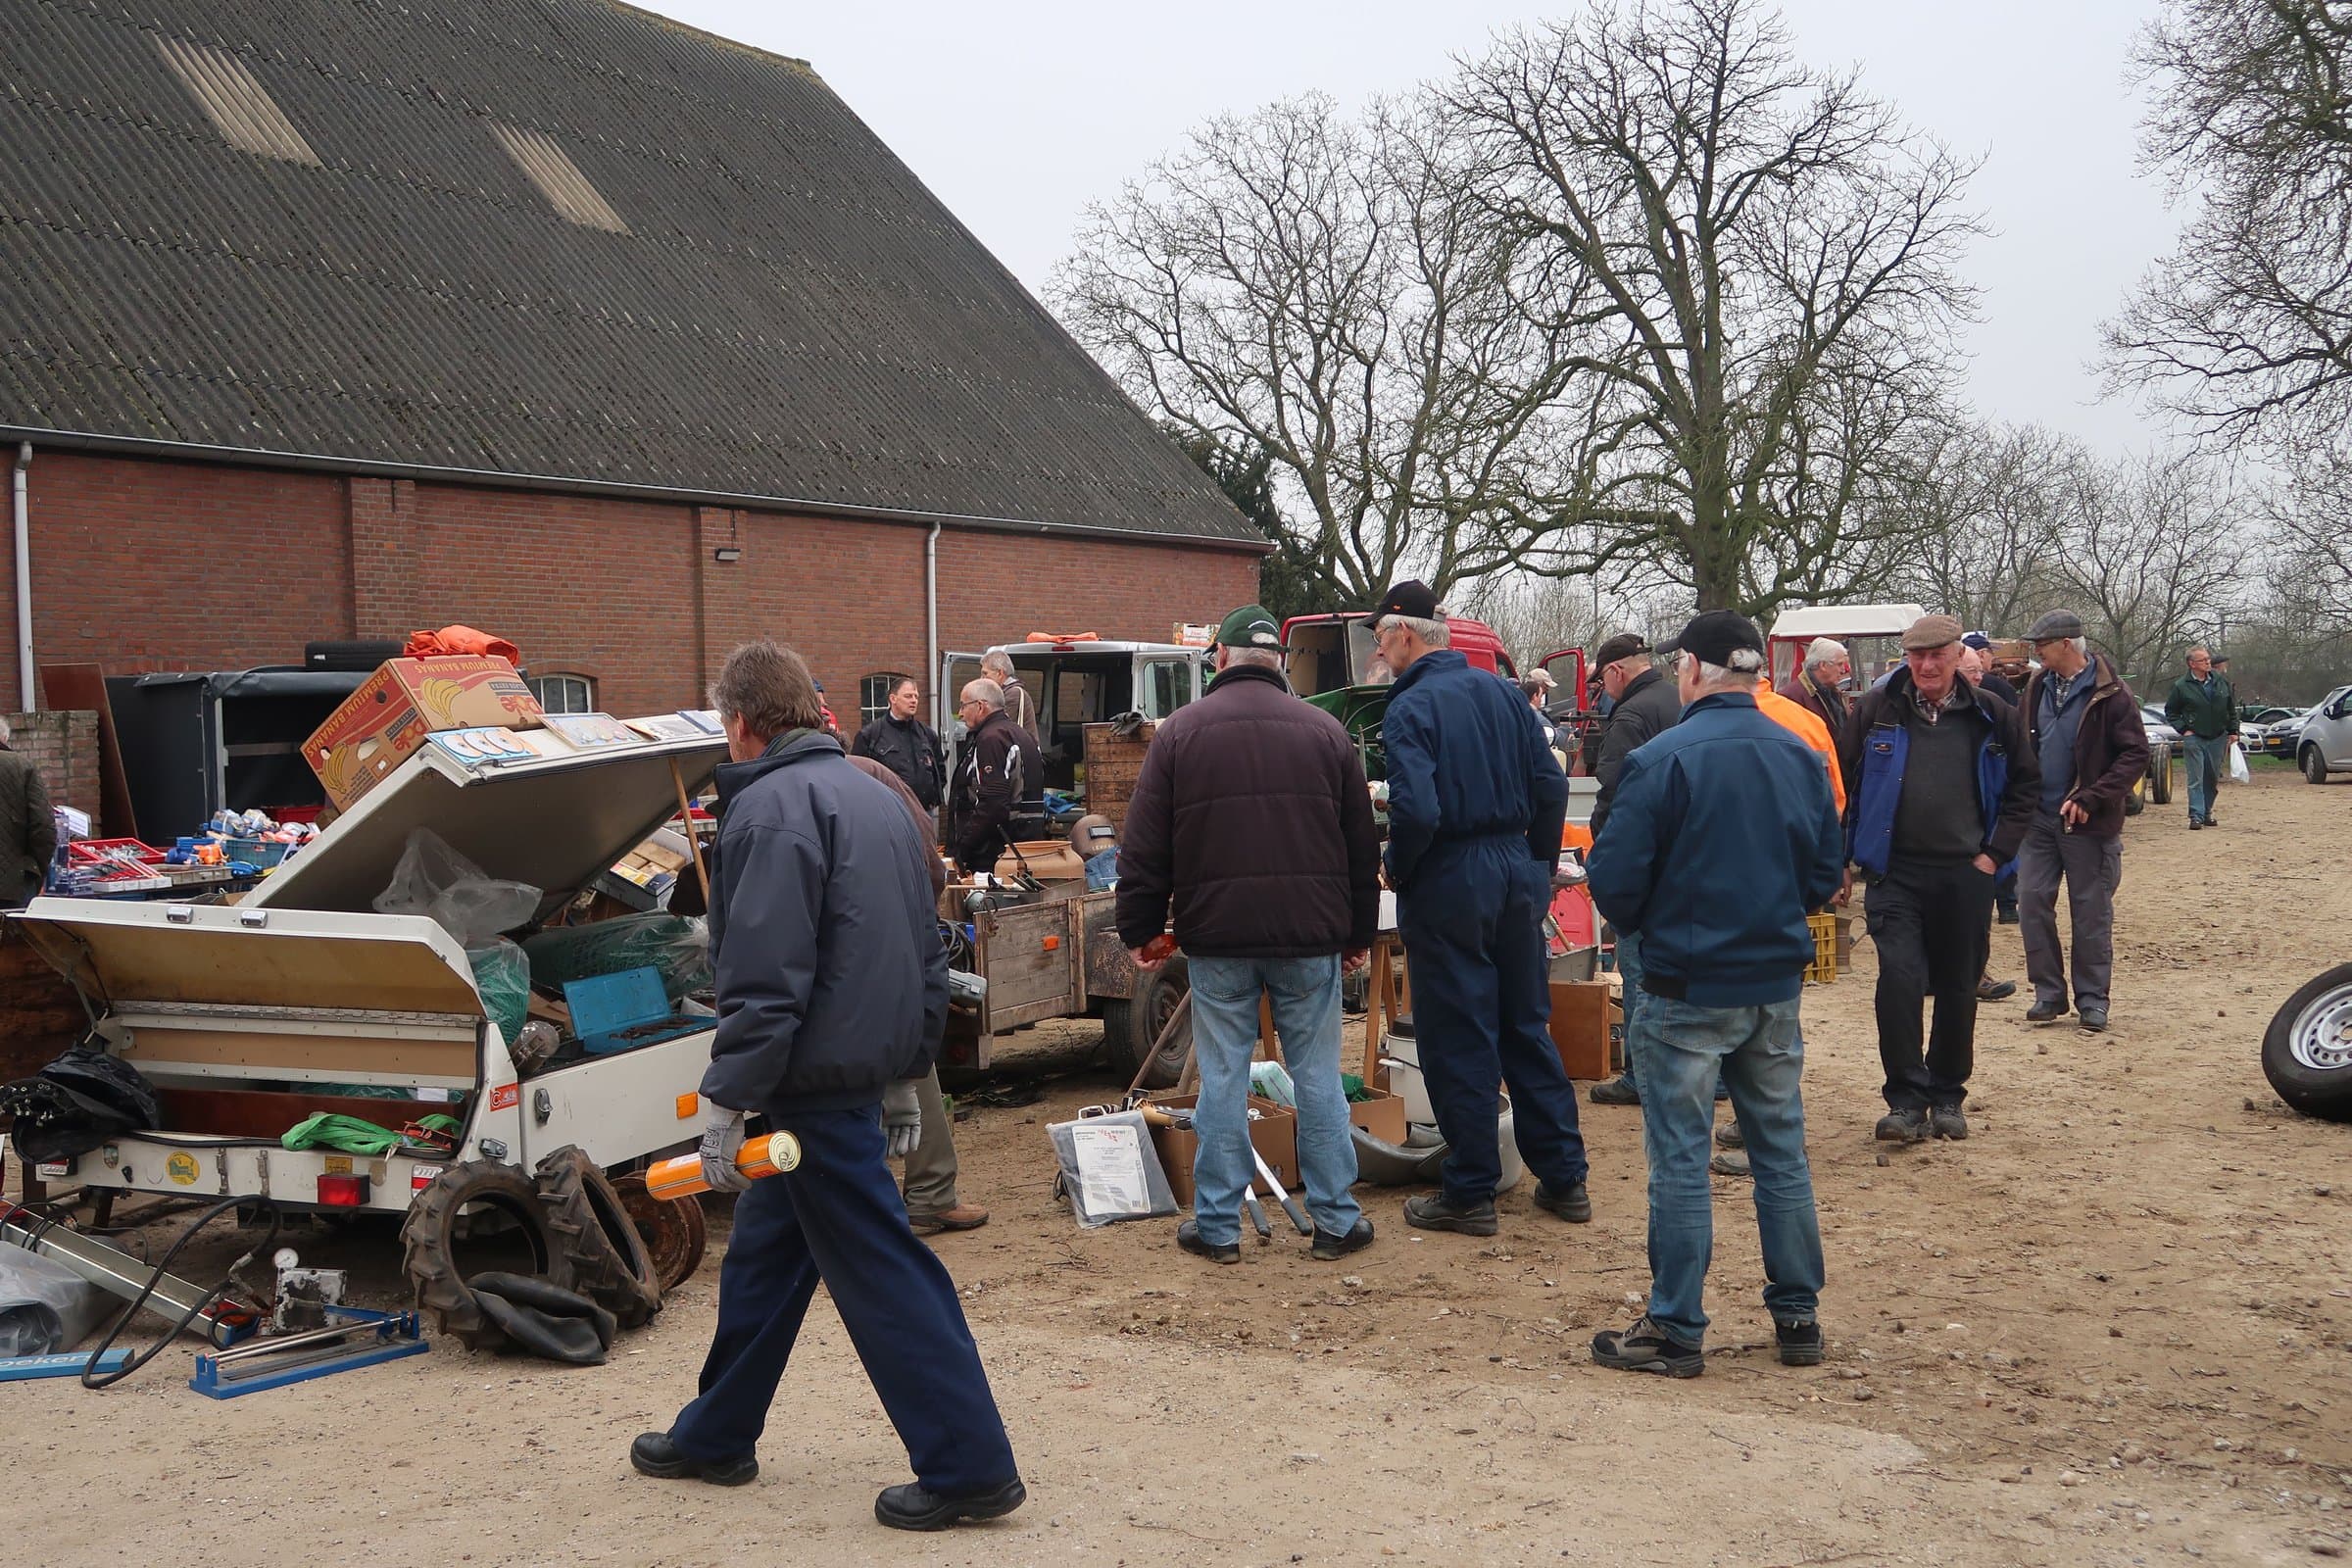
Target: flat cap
(2055,625)
(1932,631)
(1619,646)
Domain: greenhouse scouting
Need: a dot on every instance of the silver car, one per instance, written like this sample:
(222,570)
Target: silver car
(2325,745)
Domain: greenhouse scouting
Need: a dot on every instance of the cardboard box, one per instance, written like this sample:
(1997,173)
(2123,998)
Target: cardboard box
(1383,1116)
(1046,860)
(406,700)
(1275,1135)
(1584,1019)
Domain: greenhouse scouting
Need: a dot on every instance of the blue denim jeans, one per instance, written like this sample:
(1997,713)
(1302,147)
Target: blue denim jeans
(1307,1020)
(1759,1052)
(2208,764)
(1630,997)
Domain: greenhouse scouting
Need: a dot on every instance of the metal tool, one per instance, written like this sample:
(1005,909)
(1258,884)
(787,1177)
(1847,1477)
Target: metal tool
(1258,1215)
(274,1363)
(1289,1204)
(116,1272)
(65,1364)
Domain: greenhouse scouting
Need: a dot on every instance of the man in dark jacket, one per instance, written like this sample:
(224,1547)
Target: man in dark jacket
(28,826)
(1726,837)
(1819,684)
(1001,770)
(902,742)
(1941,788)
(2092,746)
(1476,808)
(832,988)
(1251,819)
(1643,705)
(2203,707)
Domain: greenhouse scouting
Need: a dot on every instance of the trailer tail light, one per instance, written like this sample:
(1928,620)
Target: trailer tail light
(422,1176)
(343,1191)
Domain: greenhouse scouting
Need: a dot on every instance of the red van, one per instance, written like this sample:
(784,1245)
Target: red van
(1331,651)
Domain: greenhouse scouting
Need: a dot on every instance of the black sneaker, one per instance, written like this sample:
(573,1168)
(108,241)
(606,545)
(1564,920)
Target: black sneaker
(1329,1245)
(1800,1343)
(2045,1011)
(1945,1121)
(2007,915)
(2094,1019)
(1990,990)
(1572,1203)
(1618,1091)
(1431,1212)
(912,1507)
(1902,1127)
(653,1454)
(1188,1237)
(1648,1347)
(1728,1135)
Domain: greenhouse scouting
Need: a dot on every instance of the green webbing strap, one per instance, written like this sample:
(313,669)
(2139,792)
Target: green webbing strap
(351,1136)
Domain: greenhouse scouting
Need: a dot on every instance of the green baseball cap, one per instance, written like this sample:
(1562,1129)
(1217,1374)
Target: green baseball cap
(1250,626)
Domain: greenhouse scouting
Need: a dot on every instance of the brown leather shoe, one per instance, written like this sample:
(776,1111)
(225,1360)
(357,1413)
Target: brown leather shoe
(962,1217)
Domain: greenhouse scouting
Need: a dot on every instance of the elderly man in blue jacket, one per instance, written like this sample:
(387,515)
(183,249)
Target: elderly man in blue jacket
(1723,840)
(832,988)
(1476,805)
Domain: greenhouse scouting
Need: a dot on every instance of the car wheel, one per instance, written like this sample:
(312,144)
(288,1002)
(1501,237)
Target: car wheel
(1132,1027)
(2307,1052)
(2314,766)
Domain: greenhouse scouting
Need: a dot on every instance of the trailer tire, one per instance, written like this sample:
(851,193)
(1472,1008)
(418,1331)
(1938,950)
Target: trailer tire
(590,1226)
(676,1230)
(1131,1025)
(428,1251)
(2160,775)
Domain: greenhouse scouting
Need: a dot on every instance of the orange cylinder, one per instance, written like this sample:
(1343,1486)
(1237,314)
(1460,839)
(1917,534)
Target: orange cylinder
(682,1177)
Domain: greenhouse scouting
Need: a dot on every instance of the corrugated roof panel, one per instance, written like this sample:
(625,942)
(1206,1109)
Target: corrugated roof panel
(557,178)
(231,96)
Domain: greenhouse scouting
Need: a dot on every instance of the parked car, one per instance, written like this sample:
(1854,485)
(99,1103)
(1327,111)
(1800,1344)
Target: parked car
(2277,737)
(2251,714)
(2324,744)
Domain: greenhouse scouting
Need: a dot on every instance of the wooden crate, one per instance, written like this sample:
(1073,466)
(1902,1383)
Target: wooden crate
(1114,763)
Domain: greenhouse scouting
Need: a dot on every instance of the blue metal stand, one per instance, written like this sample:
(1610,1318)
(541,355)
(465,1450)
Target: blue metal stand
(361,1339)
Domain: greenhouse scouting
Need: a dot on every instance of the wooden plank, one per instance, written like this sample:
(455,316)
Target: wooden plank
(264,1055)
(82,688)
(261,1114)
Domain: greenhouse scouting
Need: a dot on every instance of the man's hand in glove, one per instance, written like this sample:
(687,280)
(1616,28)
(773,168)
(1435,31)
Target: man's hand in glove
(902,1118)
(722,1141)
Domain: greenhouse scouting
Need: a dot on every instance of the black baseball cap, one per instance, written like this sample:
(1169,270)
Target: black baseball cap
(1410,598)
(1713,637)
(1623,645)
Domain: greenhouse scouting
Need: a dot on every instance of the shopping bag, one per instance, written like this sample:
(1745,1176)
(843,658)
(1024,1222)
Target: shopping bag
(2238,773)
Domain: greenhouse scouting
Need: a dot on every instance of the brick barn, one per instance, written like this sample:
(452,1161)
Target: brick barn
(334,319)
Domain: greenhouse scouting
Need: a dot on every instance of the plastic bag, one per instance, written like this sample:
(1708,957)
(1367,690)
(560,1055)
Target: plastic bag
(679,947)
(2239,773)
(436,881)
(1109,1169)
(503,975)
(44,1305)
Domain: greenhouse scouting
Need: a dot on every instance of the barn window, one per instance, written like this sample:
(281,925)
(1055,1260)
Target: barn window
(565,694)
(873,695)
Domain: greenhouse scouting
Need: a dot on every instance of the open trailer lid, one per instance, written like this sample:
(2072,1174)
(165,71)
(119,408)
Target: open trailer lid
(1847,620)
(180,954)
(552,822)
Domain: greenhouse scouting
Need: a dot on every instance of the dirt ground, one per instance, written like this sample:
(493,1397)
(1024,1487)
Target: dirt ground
(2115,1327)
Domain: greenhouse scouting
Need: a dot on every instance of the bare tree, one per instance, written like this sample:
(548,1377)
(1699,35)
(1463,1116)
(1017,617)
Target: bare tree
(2250,317)
(1769,258)
(2158,557)
(1994,505)
(2307,511)
(1321,290)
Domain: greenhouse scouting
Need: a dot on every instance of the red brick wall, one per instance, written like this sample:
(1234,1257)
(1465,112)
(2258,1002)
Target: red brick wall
(141,564)
(64,747)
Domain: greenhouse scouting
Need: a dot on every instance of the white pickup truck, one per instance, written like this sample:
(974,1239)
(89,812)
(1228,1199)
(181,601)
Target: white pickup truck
(239,1014)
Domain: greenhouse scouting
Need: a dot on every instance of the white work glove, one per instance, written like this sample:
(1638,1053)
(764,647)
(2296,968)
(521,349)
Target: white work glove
(722,1141)
(902,1118)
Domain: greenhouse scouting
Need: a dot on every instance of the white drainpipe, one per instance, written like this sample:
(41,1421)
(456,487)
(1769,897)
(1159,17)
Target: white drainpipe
(930,626)
(24,699)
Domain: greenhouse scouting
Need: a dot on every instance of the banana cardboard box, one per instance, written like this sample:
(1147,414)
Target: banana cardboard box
(400,704)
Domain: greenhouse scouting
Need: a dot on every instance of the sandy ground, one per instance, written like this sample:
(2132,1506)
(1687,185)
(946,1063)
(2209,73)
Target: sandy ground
(2115,1327)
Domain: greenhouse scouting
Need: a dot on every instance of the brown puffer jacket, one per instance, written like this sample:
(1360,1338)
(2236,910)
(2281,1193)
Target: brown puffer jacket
(1252,821)
(2111,748)
(27,829)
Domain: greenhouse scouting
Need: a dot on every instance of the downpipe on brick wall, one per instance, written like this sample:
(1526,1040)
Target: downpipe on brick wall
(24,517)
(938,718)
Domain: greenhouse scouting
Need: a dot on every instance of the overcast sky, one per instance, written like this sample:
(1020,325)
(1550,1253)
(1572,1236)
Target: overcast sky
(1017,114)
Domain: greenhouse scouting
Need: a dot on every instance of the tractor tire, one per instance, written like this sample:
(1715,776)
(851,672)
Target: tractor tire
(428,1245)
(2307,1050)
(2314,766)
(676,1230)
(1132,1025)
(2160,776)
(590,1226)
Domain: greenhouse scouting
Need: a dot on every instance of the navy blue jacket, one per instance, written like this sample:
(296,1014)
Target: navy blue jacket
(1723,838)
(1875,749)
(824,935)
(1466,760)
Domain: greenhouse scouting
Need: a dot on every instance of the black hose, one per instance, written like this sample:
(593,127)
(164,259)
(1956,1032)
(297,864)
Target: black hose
(209,1298)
